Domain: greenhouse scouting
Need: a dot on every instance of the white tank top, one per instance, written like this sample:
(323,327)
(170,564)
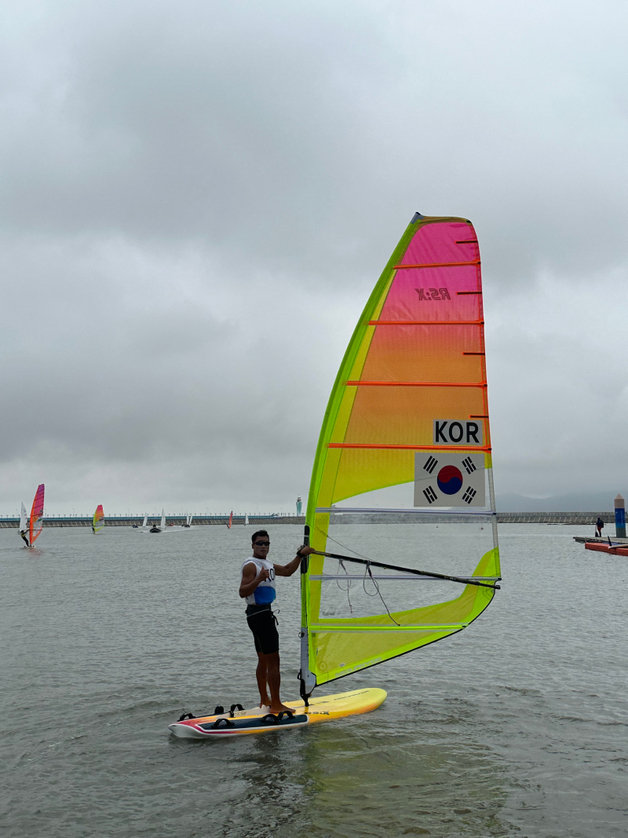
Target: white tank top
(265,592)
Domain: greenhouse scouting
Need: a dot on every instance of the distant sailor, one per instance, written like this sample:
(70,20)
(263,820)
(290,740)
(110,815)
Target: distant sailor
(23,536)
(599,525)
(257,586)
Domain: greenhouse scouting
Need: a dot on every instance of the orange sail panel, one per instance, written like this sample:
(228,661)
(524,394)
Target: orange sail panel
(423,342)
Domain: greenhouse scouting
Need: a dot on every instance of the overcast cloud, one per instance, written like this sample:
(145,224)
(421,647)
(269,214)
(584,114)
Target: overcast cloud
(197,199)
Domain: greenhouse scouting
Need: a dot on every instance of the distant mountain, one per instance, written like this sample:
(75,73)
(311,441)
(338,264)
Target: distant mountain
(574,502)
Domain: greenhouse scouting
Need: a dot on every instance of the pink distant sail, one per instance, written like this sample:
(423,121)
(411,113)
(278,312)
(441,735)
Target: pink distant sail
(37,513)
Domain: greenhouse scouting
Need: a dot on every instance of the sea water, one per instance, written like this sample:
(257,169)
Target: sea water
(517,726)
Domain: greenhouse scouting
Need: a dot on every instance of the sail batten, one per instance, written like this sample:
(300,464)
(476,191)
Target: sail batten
(438,265)
(418,383)
(406,431)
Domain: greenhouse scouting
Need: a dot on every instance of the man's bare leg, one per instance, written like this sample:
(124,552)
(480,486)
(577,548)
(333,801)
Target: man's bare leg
(262,680)
(273,679)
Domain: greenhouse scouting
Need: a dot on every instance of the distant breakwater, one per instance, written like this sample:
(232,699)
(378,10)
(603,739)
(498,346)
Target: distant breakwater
(271,520)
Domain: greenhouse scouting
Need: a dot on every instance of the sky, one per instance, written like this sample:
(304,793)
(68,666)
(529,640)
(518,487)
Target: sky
(198,197)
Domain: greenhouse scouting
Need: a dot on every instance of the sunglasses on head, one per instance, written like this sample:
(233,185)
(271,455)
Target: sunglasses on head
(262,543)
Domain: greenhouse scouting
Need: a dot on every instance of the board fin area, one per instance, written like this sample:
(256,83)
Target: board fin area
(259,720)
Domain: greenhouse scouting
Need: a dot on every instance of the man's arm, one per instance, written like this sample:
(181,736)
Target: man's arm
(289,569)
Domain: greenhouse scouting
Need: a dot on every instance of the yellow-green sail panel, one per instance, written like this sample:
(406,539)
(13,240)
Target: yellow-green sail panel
(406,431)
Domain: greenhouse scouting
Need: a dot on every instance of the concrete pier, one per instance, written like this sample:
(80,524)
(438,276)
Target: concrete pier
(272,519)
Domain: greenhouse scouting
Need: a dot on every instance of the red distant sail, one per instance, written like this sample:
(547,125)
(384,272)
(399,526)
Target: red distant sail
(37,514)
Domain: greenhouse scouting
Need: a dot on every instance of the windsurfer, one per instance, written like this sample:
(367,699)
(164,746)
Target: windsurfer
(23,537)
(257,586)
(599,526)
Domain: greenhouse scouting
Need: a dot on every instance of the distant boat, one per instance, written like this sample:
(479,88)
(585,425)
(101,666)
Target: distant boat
(162,524)
(33,523)
(178,527)
(616,549)
(143,527)
(98,521)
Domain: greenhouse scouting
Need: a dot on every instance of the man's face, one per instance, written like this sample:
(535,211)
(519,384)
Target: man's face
(261,546)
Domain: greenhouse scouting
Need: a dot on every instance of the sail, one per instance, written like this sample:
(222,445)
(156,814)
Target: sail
(23,519)
(98,521)
(230,521)
(36,517)
(405,441)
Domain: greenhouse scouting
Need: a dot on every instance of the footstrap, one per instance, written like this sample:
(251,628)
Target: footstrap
(222,723)
(274,719)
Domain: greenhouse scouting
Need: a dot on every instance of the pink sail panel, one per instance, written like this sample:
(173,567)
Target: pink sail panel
(37,514)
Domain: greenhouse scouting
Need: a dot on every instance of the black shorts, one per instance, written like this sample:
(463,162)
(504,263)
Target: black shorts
(263,624)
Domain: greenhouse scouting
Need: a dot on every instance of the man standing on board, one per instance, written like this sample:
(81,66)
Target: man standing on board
(257,586)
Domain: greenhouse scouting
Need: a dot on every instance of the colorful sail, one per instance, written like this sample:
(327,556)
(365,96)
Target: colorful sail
(36,516)
(230,521)
(405,440)
(98,521)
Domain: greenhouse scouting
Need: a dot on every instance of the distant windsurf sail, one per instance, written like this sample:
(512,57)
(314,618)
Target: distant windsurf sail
(36,517)
(98,521)
(230,521)
(405,439)
(24,521)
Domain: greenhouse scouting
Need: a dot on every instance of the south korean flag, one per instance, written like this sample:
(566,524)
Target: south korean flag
(449,479)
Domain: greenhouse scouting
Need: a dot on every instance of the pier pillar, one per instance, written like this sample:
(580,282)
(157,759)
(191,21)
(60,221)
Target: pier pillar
(620,517)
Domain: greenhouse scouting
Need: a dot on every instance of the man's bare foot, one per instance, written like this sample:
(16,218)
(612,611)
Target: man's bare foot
(280,708)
